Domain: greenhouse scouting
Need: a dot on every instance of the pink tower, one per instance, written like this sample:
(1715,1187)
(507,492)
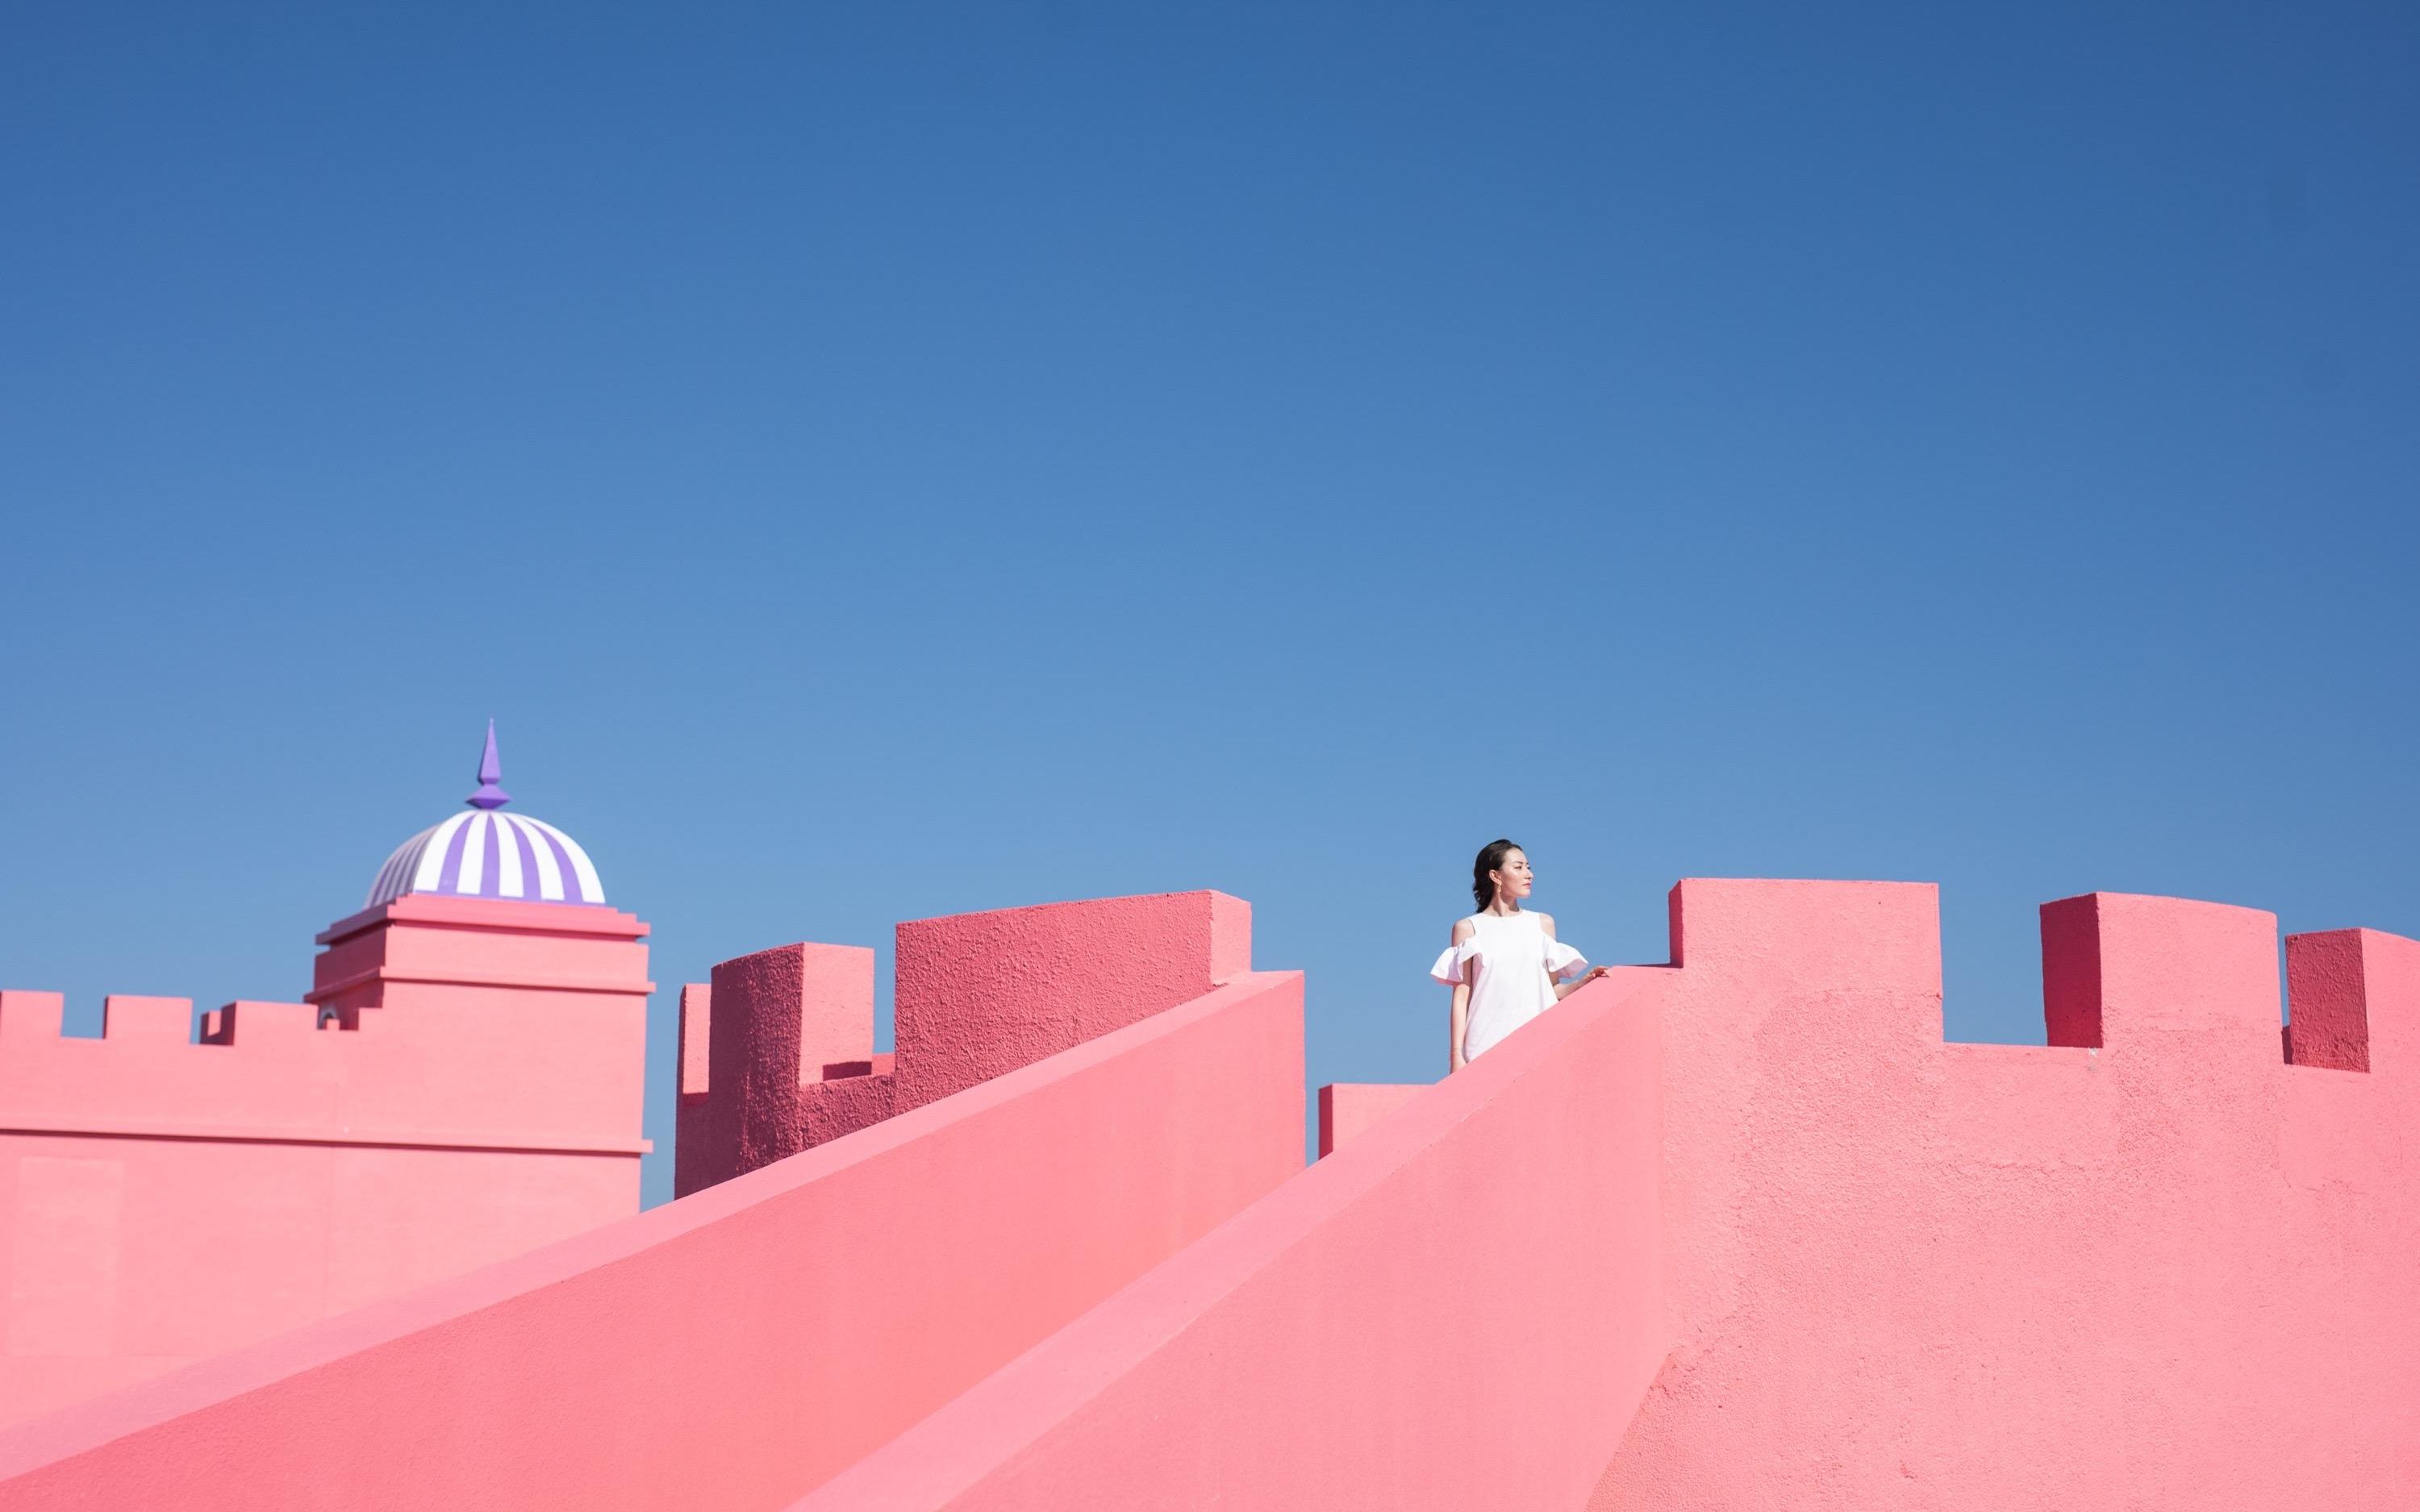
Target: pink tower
(462,1082)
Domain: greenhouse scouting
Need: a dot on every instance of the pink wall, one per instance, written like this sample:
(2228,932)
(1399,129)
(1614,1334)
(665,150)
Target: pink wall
(1349,1109)
(1452,1311)
(2170,1271)
(777,1054)
(1741,1232)
(980,995)
(773,1025)
(736,1347)
(1893,1272)
(163,1199)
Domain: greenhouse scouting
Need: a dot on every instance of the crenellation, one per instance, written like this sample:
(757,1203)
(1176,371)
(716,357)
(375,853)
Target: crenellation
(2124,969)
(149,1020)
(700,1151)
(249,1024)
(2327,1001)
(777,1053)
(31,1016)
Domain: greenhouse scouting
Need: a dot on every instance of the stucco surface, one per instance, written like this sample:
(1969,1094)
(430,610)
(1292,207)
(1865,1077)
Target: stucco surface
(778,1051)
(980,995)
(783,1015)
(2154,1267)
(1741,1232)
(735,1348)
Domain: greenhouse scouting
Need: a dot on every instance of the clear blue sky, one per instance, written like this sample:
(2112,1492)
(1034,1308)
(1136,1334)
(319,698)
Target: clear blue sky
(881,461)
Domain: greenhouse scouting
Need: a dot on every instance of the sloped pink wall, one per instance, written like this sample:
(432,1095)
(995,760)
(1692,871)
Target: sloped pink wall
(1449,1312)
(2172,1271)
(735,1348)
(2152,1266)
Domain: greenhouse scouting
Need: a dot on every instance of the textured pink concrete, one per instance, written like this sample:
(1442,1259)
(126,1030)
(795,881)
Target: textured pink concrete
(736,1348)
(1348,1108)
(165,1198)
(702,1153)
(2326,978)
(1741,1232)
(1436,1315)
(2169,1272)
(789,1032)
(782,1015)
(1895,1272)
(980,995)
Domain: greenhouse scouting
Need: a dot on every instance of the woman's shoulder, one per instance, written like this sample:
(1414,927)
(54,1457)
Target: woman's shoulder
(1545,921)
(1464,928)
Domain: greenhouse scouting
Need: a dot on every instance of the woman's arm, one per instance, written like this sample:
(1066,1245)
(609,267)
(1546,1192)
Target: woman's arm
(1458,1020)
(1458,1026)
(1564,989)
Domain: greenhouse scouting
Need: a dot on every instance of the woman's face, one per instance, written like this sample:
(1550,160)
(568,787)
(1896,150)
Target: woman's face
(1512,878)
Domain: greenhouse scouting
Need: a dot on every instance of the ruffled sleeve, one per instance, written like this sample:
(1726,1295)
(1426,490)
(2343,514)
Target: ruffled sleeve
(1562,961)
(1448,966)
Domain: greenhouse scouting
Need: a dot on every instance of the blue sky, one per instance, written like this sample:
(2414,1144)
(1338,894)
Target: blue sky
(881,461)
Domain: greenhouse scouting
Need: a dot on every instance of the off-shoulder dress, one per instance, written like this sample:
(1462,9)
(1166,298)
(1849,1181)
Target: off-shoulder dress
(1517,966)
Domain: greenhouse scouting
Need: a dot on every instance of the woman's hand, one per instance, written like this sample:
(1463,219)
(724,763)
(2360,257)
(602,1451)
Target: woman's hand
(1564,989)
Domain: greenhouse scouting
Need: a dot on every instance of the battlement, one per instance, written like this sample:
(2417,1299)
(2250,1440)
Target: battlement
(1774,1242)
(777,1052)
(256,1072)
(2169,988)
(2157,981)
(427,1014)
(462,1083)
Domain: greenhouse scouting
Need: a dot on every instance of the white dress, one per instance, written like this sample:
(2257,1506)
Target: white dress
(1514,982)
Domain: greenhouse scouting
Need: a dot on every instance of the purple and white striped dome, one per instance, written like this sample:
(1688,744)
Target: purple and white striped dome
(485,853)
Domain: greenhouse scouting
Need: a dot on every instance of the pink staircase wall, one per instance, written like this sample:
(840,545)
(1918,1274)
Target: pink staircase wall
(474,1093)
(1892,1271)
(1448,1313)
(736,1348)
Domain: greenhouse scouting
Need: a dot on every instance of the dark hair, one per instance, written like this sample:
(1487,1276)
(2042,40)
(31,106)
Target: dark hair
(1491,856)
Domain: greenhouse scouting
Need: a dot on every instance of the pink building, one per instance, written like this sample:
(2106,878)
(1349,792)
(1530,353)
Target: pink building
(1737,1230)
(462,1082)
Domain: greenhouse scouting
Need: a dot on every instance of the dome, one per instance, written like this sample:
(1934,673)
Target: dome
(488,854)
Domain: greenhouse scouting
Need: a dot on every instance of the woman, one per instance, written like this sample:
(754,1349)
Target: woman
(1505,965)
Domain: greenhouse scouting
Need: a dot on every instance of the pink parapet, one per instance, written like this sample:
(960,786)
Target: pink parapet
(462,1083)
(778,1051)
(1737,1232)
(739,1347)
(1347,1109)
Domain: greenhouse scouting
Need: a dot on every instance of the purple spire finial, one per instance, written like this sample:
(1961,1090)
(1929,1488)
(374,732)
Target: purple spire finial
(490,795)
